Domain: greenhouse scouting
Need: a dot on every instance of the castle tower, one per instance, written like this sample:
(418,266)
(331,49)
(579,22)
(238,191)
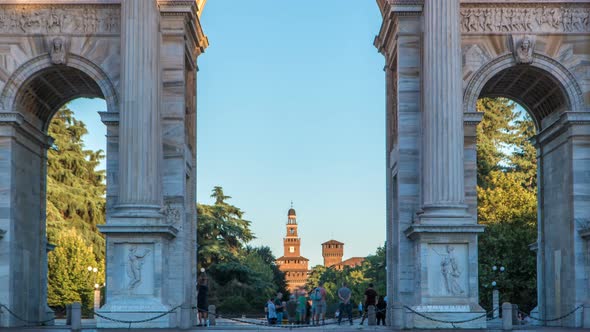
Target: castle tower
(332,251)
(292,263)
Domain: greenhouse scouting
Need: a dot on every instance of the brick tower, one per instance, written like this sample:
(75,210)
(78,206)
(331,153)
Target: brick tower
(292,263)
(332,251)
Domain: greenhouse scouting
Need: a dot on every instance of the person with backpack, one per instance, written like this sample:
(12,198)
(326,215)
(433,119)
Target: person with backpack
(318,304)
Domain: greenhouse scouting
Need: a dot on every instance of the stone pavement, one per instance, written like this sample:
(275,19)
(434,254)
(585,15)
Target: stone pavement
(227,325)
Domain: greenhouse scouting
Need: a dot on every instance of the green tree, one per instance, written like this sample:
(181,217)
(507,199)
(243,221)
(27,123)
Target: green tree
(222,233)
(507,202)
(68,278)
(493,134)
(241,278)
(75,188)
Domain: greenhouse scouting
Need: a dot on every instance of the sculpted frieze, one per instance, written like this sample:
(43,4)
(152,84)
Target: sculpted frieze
(534,19)
(60,19)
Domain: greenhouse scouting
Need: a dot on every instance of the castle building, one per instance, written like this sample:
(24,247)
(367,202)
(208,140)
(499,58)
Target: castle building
(333,251)
(292,263)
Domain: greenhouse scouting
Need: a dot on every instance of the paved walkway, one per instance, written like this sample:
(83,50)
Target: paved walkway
(228,325)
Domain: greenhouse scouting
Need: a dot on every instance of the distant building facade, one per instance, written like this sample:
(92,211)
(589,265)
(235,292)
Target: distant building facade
(333,251)
(292,263)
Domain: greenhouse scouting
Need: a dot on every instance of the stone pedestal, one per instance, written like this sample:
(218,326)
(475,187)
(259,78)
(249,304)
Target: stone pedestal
(507,316)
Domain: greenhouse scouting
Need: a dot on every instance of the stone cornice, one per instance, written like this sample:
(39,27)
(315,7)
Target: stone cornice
(18,121)
(415,230)
(168,231)
(191,10)
(558,127)
(109,118)
(472,118)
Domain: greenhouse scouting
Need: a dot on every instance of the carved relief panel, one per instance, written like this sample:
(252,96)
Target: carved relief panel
(60,19)
(550,18)
(136,268)
(447,269)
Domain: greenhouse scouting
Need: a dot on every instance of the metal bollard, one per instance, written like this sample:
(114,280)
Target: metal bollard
(76,314)
(211,315)
(586,316)
(397,319)
(507,316)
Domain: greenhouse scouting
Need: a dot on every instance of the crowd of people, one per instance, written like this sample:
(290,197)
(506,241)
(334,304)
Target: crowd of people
(310,308)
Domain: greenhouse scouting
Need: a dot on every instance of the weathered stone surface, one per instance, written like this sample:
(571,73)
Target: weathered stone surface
(530,52)
(52,51)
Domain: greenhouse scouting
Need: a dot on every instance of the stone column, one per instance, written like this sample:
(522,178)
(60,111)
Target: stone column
(444,234)
(443,190)
(140,142)
(138,238)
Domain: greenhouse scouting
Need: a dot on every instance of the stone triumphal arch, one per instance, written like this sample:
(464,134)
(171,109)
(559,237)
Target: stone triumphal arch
(441,56)
(140,56)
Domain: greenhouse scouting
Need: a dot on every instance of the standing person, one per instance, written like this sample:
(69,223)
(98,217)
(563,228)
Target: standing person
(279,308)
(301,307)
(381,309)
(344,294)
(370,299)
(271,312)
(318,298)
(202,290)
(292,309)
(308,312)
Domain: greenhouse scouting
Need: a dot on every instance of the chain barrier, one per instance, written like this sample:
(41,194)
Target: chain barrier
(32,322)
(333,321)
(450,321)
(553,319)
(123,321)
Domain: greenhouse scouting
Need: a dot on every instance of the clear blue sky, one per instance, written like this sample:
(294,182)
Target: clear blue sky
(291,108)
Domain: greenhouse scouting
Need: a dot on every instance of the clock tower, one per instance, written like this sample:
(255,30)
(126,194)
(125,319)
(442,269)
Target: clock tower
(292,241)
(292,263)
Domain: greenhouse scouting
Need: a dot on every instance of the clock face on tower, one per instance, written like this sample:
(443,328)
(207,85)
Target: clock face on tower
(291,249)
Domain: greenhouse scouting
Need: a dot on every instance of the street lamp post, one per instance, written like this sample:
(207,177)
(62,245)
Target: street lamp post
(496,293)
(94,271)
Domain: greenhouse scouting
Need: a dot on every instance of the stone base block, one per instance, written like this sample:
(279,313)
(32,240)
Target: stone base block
(136,312)
(450,313)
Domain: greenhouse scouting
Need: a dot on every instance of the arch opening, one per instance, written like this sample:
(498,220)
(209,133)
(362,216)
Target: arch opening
(546,91)
(45,92)
(46,203)
(533,88)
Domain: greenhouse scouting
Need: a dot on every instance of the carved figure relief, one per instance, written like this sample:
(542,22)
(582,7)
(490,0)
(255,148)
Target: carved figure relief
(134,266)
(450,271)
(57,51)
(523,49)
(58,19)
(525,19)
